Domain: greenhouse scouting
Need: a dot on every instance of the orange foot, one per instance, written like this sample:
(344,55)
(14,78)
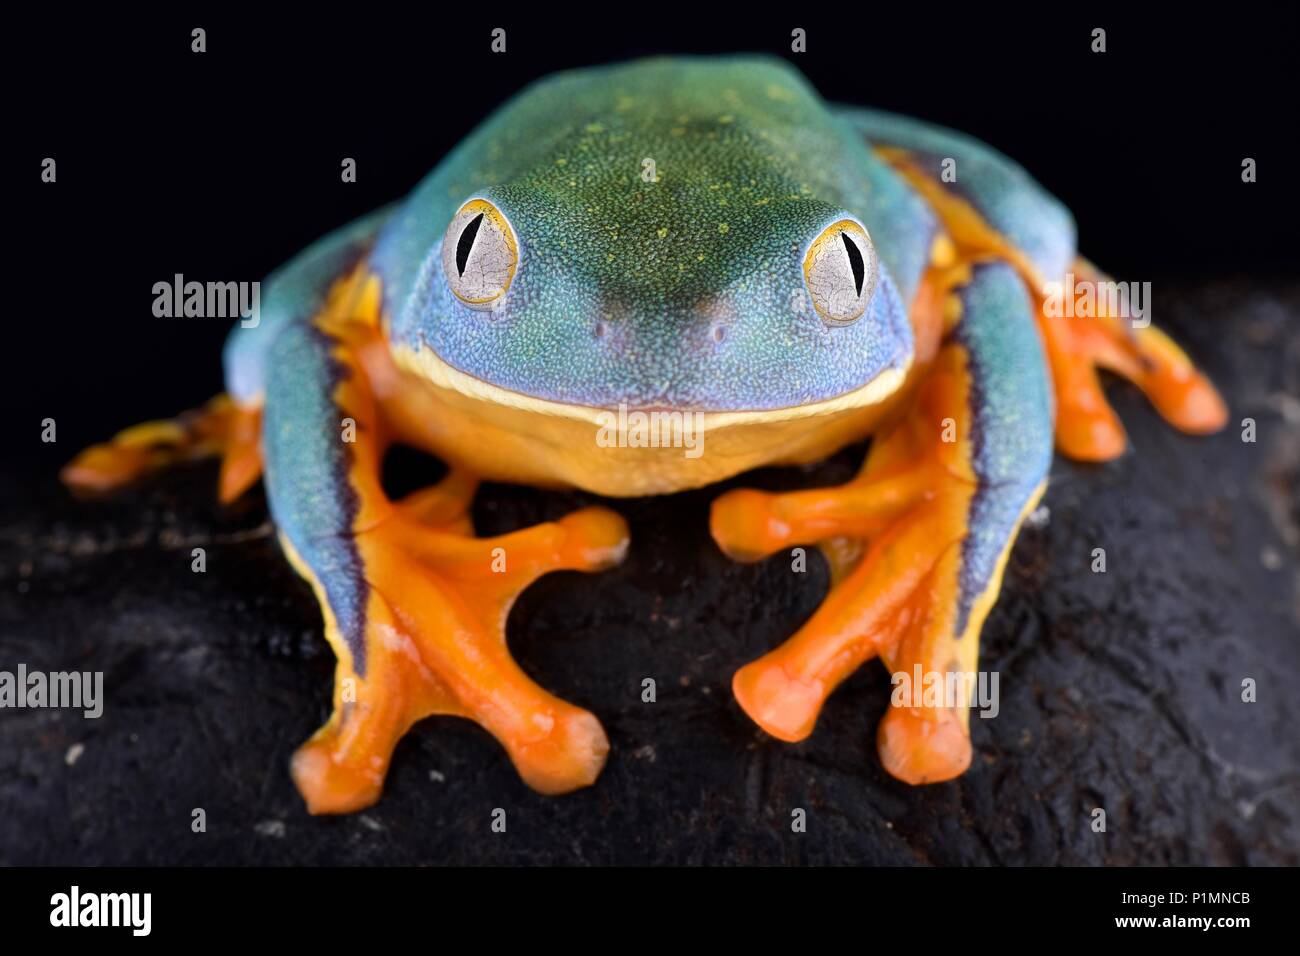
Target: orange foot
(892,536)
(435,644)
(221,427)
(1087,428)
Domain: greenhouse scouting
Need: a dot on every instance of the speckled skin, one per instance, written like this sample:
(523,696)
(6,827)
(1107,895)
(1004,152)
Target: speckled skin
(680,293)
(1005,195)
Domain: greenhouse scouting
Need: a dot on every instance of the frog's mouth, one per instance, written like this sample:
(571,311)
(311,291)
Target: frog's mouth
(425,364)
(506,435)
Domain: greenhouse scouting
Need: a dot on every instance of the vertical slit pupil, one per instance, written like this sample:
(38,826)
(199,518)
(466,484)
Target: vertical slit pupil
(466,243)
(855,261)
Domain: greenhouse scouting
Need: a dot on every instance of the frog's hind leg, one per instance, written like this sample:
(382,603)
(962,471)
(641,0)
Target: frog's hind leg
(1104,338)
(933,514)
(415,606)
(992,208)
(222,427)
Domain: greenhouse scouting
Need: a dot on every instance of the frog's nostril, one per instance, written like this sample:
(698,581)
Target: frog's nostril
(716,315)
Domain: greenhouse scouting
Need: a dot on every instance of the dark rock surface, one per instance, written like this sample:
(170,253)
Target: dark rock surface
(1118,690)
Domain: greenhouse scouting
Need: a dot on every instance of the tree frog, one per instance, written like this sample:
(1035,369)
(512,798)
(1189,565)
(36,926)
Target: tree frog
(700,241)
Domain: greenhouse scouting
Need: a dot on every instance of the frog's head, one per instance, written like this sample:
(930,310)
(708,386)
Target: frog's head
(667,235)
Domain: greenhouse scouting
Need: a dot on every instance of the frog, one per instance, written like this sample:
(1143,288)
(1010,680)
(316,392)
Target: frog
(703,238)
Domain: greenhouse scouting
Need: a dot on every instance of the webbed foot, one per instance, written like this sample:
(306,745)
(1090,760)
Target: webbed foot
(1087,427)
(916,543)
(221,427)
(433,642)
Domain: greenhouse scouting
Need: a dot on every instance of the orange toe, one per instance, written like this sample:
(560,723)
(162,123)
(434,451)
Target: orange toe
(1190,403)
(594,539)
(743,524)
(569,755)
(105,467)
(916,748)
(783,706)
(330,786)
(1090,436)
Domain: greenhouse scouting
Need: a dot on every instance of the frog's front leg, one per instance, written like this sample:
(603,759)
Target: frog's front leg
(415,606)
(934,511)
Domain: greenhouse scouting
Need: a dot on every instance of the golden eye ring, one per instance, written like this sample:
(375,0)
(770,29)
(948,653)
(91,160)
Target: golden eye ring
(840,271)
(480,254)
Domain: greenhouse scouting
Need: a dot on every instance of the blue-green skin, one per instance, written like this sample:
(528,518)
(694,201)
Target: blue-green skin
(682,293)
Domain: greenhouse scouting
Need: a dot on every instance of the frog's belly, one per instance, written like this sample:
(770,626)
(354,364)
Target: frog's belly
(505,436)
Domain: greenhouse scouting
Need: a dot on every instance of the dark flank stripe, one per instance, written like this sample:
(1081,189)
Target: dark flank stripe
(307,467)
(1011,414)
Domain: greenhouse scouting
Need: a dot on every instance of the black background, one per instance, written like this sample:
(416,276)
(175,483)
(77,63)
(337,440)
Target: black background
(222,165)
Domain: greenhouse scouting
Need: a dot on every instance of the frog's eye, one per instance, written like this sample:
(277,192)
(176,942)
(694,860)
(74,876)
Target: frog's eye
(479,254)
(840,272)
